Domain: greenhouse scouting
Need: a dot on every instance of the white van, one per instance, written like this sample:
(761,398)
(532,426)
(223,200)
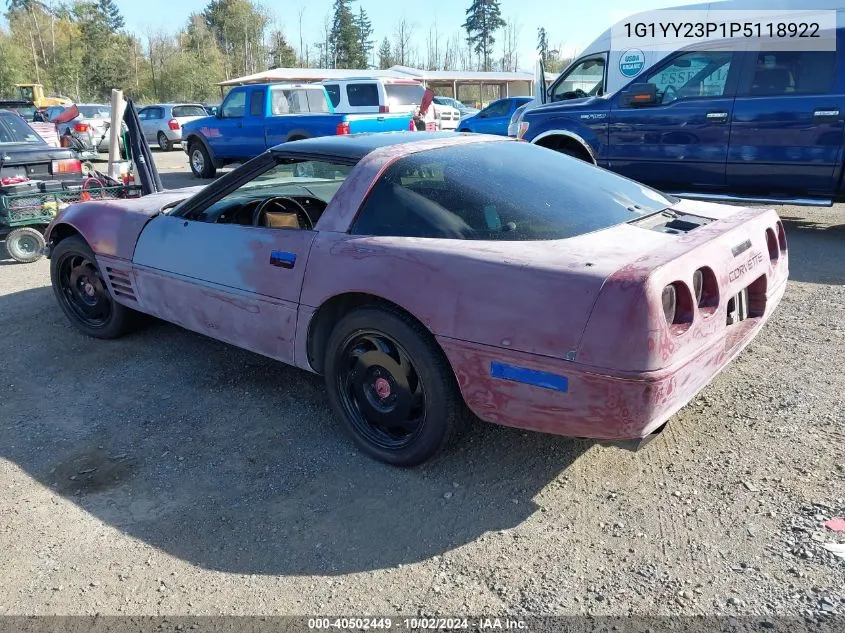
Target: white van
(360,95)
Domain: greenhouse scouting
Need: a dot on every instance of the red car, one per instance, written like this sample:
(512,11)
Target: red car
(420,274)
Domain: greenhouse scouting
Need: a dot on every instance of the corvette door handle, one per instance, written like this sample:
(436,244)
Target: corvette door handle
(826,115)
(717,117)
(282,259)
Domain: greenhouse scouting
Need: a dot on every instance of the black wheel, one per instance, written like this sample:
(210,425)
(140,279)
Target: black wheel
(392,386)
(200,161)
(164,143)
(82,293)
(25,245)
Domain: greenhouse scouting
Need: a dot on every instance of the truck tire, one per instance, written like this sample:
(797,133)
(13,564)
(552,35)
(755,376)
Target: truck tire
(201,164)
(25,245)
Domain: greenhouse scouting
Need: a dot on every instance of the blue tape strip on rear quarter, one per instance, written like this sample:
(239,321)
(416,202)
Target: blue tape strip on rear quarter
(529,376)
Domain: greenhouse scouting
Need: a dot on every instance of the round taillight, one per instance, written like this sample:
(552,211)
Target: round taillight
(678,309)
(781,236)
(670,303)
(706,289)
(697,285)
(772,244)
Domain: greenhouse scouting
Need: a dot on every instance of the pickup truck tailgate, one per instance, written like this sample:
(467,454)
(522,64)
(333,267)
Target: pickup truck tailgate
(359,123)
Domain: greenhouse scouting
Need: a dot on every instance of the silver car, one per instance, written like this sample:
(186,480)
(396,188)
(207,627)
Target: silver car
(162,123)
(91,126)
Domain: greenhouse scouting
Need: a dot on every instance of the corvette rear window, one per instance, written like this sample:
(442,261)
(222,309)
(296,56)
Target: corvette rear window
(500,191)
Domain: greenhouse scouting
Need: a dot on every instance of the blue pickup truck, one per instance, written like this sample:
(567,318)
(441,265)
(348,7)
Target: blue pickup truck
(254,118)
(746,124)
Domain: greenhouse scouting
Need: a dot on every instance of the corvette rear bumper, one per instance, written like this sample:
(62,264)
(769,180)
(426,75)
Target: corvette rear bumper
(565,398)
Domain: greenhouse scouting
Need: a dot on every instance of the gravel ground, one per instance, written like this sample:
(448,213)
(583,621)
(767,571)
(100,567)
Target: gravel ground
(166,473)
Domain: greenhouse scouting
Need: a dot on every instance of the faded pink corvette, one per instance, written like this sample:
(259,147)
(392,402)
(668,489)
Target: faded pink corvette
(604,334)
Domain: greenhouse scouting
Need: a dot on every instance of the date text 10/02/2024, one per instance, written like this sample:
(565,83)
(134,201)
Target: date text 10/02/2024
(418,624)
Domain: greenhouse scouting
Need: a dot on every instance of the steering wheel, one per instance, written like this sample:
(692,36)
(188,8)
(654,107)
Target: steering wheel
(666,93)
(282,202)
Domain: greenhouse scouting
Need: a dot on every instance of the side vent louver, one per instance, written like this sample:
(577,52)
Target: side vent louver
(121,283)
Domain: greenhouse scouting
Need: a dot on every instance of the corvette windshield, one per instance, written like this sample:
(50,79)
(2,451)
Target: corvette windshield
(501,191)
(286,178)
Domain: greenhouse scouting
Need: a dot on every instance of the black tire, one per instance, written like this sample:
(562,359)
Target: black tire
(164,143)
(384,372)
(25,245)
(200,161)
(83,294)
(574,152)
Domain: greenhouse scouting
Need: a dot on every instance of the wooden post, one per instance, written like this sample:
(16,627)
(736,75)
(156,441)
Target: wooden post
(118,105)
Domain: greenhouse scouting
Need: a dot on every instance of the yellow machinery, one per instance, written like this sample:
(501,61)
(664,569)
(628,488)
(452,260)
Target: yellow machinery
(35,94)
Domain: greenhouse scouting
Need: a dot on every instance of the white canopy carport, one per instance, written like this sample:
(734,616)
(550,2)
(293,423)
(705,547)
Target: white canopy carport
(507,83)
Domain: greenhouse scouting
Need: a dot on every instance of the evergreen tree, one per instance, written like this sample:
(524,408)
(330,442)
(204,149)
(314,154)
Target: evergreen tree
(104,65)
(484,18)
(365,32)
(385,55)
(543,44)
(282,54)
(344,43)
(112,15)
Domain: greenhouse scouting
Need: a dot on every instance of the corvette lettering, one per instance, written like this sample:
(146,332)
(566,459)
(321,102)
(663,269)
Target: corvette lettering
(755,260)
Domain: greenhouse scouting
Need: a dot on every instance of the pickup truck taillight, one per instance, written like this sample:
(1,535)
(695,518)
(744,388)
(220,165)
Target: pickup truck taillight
(67,166)
(173,124)
(342,128)
(81,127)
(383,109)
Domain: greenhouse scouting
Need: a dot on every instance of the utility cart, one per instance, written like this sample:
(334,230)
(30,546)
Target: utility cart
(26,208)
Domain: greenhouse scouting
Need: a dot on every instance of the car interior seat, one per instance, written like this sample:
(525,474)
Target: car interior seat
(281,220)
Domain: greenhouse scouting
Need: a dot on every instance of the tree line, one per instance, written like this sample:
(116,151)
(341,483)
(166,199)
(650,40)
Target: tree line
(82,49)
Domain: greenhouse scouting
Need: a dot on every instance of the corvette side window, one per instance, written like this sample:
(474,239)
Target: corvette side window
(466,192)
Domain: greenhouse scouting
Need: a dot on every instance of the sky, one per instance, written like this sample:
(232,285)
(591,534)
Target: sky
(571,28)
